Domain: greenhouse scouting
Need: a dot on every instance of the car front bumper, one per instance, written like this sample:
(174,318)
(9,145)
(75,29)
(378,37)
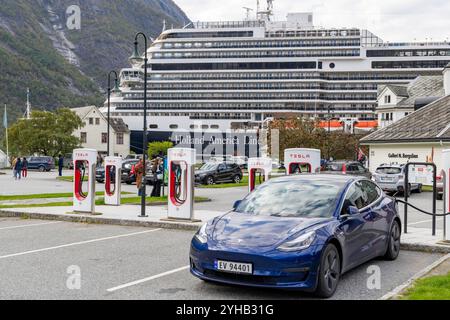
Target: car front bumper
(283,270)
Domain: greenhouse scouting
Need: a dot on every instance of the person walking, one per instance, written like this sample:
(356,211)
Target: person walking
(13,166)
(60,165)
(139,172)
(18,168)
(24,167)
(157,178)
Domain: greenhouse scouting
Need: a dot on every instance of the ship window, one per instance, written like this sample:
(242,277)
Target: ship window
(214,126)
(173,126)
(194,126)
(205,126)
(153,126)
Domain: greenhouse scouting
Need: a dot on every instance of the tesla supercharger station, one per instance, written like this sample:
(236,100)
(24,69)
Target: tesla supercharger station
(446,169)
(84,163)
(258,165)
(113,172)
(181,163)
(295,158)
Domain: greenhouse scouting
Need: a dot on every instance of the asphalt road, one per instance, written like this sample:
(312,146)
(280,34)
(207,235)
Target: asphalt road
(36,256)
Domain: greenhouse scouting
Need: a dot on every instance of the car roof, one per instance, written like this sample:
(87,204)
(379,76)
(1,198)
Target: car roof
(337,178)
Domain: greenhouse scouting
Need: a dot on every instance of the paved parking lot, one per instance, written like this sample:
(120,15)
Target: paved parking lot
(117,262)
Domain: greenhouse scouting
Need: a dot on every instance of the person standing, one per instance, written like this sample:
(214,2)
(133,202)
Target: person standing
(24,167)
(60,165)
(18,168)
(139,172)
(13,166)
(157,178)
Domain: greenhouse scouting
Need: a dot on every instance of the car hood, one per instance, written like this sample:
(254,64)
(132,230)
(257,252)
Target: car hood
(248,231)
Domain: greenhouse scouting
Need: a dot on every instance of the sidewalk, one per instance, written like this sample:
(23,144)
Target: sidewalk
(417,239)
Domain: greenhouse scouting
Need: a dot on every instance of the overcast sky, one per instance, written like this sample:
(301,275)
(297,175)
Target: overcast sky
(392,20)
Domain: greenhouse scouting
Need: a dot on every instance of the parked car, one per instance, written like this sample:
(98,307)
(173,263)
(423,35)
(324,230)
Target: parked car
(213,172)
(391,178)
(347,167)
(127,166)
(41,163)
(298,232)
(133,157)
(68,162)
(100,174)
(131,177)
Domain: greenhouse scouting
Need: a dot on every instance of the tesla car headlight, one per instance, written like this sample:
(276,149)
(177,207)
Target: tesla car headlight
(201,234)
(300,243)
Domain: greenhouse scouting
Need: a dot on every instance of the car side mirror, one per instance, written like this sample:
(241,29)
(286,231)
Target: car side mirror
(236,204)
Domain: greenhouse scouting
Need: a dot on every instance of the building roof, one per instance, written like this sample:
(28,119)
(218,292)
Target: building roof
(117,124)
(422,87)
(430,123)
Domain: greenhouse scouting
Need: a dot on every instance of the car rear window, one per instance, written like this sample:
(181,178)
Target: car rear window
(334,167)
(389,170)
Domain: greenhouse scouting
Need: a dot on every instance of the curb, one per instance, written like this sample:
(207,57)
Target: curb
(425,248)
(99,220)
(398,290)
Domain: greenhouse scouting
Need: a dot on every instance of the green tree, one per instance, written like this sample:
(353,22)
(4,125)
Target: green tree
(46,133)
(157,148)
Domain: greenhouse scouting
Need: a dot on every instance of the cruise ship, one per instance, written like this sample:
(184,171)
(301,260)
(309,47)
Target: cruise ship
(239,75)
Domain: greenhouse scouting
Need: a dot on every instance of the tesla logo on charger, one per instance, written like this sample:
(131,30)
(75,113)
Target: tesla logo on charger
(300,156)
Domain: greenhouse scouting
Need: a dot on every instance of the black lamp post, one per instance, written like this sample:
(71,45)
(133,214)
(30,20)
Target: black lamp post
(116,90)
(329,131)
(136,59)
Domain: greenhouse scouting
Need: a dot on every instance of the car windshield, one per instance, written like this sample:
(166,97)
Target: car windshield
(208,166)
(298,198)
(389,170)
(334,167)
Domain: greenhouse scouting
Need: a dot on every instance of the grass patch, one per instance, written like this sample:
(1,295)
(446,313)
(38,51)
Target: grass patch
(431,288)
(45,196)
(98,202)
(427,188)
(69,178)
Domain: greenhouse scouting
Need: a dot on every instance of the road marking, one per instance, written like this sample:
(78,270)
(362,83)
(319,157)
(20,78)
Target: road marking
(423,221)
(126,285)
(30,225)
(77,243)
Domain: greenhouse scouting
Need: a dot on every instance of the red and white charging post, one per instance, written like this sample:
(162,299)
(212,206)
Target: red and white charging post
(113,180)
(446,169)
(255,165)
(300,157)
(181,162)
(84,164)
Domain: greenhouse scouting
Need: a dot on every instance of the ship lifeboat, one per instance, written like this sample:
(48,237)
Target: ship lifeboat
(368,125)
(334,124)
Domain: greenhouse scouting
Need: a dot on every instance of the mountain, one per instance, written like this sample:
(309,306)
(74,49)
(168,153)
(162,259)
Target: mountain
(65,67)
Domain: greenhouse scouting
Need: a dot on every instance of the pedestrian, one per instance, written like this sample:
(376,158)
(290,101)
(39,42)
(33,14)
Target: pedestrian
(18,168)
(60,165)
(13,166)
(139,172)
(24,167)
(156,171)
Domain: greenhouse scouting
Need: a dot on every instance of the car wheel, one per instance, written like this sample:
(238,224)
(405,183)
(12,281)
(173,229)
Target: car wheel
(393,248)
(237,179)
(209,180)
(41,169)
(419,189)
(329,272)
(440,196)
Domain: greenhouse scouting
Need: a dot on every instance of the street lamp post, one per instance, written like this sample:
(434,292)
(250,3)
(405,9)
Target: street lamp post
(136,59)
(329,131)
(115,90)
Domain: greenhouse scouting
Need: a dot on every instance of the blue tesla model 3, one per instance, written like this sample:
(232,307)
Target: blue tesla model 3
(298,232)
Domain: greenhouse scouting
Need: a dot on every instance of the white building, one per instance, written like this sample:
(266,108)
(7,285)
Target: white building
(94,134)
(397,101)
(4,163)
(418,137)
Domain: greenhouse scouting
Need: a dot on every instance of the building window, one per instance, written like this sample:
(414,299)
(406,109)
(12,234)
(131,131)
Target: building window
(387,99)
(83,137)
(91,121)
(97,121)
(104,137)
(119,138)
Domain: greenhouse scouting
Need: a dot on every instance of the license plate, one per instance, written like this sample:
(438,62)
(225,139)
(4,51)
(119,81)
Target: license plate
(386,179)
(233,267)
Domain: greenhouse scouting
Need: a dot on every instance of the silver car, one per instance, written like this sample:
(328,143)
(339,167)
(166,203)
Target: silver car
(391,178)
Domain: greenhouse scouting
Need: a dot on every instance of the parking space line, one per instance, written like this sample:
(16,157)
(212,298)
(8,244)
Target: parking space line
(126,285)
(423,221)
(30,225)
(77,243)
